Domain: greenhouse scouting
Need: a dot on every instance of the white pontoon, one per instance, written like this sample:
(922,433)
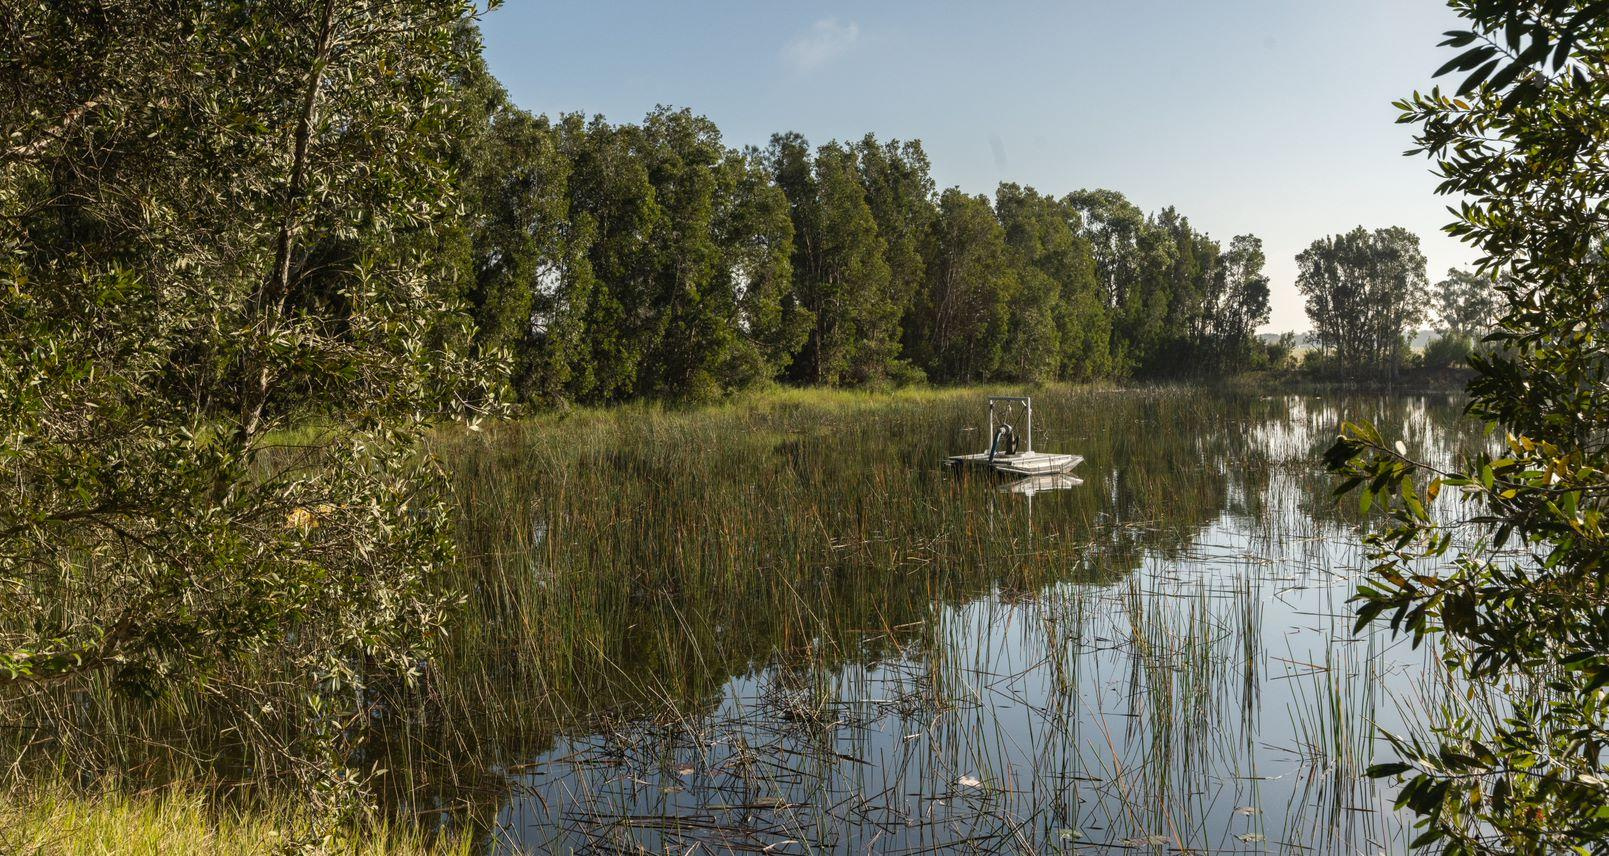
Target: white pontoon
(1004,454)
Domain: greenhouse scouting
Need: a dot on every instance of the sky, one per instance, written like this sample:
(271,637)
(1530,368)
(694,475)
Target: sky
(1269,117)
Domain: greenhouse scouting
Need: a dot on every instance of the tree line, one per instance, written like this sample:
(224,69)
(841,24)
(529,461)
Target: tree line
(614,262)
(652,260)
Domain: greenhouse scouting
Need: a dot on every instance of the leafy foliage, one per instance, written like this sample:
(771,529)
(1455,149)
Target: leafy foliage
(215,231)
(1524,139)
(1448,349)
(1234,305)
(961,324)
(1059,325)
(842,277)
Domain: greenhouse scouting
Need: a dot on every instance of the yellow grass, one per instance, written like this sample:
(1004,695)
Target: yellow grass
(54,821)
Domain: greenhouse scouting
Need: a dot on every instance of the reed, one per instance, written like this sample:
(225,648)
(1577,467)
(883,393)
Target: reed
(781,620)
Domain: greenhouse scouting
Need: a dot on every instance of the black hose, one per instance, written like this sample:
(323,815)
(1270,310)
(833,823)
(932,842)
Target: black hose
(1005,440)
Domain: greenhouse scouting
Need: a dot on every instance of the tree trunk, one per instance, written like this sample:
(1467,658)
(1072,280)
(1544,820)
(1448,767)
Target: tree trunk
(268,305)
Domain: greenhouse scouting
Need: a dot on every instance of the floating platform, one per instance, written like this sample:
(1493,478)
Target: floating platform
(1023,464)
(1004,456)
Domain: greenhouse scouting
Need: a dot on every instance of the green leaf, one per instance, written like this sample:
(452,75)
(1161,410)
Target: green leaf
(1475,79)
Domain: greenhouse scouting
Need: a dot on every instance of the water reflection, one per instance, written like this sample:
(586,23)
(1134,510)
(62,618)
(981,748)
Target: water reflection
(903,661)
(1039,484)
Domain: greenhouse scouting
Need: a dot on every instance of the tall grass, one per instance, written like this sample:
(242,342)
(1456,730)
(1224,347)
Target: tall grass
(54,819)
(782,619)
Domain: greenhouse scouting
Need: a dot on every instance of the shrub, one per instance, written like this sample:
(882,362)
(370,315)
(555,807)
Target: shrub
(1448,350)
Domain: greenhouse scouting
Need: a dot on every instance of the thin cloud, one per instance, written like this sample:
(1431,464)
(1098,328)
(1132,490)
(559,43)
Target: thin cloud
(826,40)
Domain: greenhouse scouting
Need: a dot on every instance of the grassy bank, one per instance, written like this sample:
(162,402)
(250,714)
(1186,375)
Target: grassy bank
(1410,381)
(780,397)
(60,821)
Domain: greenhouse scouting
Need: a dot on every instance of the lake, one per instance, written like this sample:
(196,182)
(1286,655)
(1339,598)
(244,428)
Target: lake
(786,627)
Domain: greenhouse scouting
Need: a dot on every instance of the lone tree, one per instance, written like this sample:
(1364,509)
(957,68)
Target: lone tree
(1365,291)
(1521,766)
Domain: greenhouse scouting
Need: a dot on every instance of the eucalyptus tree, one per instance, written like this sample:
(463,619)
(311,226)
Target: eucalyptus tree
(1235,304)
(1085,325)
(789,161)
(724,315)
(1521,767)
(1059,325)
(964,311)
(1134,258)
(755,231)
(1112,225)
(1467,303)
(841,277)
(1467,306)
(687,323)
(612,194)
(1179,339)
(213,221)
(530,278)
(1364,291)
(900,193)
(1034,233)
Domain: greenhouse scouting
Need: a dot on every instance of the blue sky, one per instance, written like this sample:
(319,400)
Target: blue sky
(1266,116)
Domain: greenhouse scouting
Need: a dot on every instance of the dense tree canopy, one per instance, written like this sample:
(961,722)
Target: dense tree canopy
(1059,324)
(651,261)
(841,275)
(959,326)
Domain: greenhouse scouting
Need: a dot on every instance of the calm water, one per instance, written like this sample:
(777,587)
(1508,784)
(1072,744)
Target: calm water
(792,630)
